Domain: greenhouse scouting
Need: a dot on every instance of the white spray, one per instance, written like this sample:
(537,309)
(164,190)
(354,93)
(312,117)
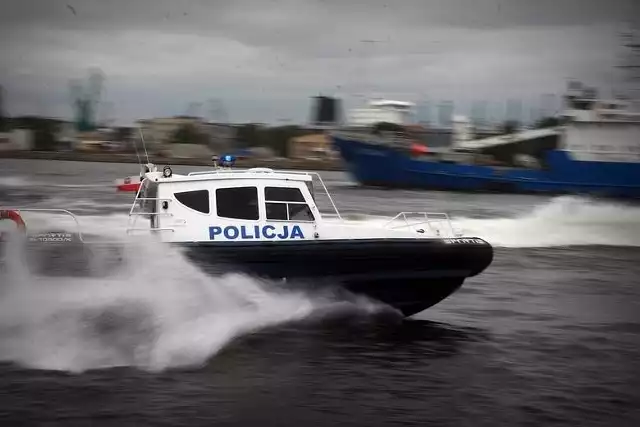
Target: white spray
(157,311)
(565,221)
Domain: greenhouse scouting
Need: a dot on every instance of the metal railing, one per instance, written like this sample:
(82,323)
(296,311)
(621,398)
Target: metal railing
(150,230)
(384,139)
(313,175)
(221,171)
(430,220)
(156,199)
(137,210)
(62,211)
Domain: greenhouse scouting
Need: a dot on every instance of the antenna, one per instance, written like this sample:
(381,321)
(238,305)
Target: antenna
(143,144)
(135,147)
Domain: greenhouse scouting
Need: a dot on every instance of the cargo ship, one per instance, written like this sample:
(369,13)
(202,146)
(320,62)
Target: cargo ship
(594,148)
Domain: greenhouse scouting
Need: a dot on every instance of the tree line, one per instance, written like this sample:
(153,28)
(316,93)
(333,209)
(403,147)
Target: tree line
(248,135)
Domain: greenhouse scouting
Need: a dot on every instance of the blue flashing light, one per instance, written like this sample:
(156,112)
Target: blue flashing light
(228,160)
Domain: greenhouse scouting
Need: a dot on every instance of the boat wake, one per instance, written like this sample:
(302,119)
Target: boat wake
(564,221)
(15,181)
(157,311)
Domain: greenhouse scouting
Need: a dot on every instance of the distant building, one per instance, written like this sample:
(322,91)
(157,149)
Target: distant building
(16,140)
(313,146)
(66,136)
(160,131)
(187,151)
(92,140)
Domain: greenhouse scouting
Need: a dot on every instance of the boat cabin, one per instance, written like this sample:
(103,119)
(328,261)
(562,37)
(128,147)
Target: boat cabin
(225,204)
(259,204)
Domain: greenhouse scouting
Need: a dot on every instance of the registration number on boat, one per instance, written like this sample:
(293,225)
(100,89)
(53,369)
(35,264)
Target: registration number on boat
(464,241)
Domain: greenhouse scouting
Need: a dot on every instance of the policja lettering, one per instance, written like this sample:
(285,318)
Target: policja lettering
(245,232)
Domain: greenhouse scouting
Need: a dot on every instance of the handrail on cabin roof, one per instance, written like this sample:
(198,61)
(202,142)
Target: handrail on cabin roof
(268,170)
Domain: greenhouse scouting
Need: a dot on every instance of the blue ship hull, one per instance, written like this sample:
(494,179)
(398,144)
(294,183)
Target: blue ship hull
(386,166)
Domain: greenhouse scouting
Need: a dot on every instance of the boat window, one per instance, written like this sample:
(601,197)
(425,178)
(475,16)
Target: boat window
(300,212)
(197,200)
(283,194)
(277,211)
(237,202)
(286,204)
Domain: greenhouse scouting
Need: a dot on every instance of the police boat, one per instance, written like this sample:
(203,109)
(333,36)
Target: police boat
(267,223)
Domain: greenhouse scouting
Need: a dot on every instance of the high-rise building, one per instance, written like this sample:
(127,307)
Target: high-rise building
(445,113)
(424,113)
(479,113)
(514,110)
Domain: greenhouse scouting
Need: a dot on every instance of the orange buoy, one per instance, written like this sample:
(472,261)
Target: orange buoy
(15,217)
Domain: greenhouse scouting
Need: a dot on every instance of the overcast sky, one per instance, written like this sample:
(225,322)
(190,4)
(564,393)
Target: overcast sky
(262,59)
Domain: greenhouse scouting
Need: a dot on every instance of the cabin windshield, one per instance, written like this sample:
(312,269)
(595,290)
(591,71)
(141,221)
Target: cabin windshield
(286,204)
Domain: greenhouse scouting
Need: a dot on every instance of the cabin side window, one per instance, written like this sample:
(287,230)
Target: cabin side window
(197,200)
(286,204)
(237,203)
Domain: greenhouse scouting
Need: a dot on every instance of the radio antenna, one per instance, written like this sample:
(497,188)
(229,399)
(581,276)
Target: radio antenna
(135,147)
(143,144)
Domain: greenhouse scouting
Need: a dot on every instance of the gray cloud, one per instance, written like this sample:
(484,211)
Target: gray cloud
(214,15)
(265,58)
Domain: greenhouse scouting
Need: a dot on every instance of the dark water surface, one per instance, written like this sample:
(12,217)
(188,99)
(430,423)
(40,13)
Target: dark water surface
(548,335)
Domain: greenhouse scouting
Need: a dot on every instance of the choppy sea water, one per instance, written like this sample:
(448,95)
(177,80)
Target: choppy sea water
(548,335)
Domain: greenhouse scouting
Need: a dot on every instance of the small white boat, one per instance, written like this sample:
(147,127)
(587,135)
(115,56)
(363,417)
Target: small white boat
(268,223)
